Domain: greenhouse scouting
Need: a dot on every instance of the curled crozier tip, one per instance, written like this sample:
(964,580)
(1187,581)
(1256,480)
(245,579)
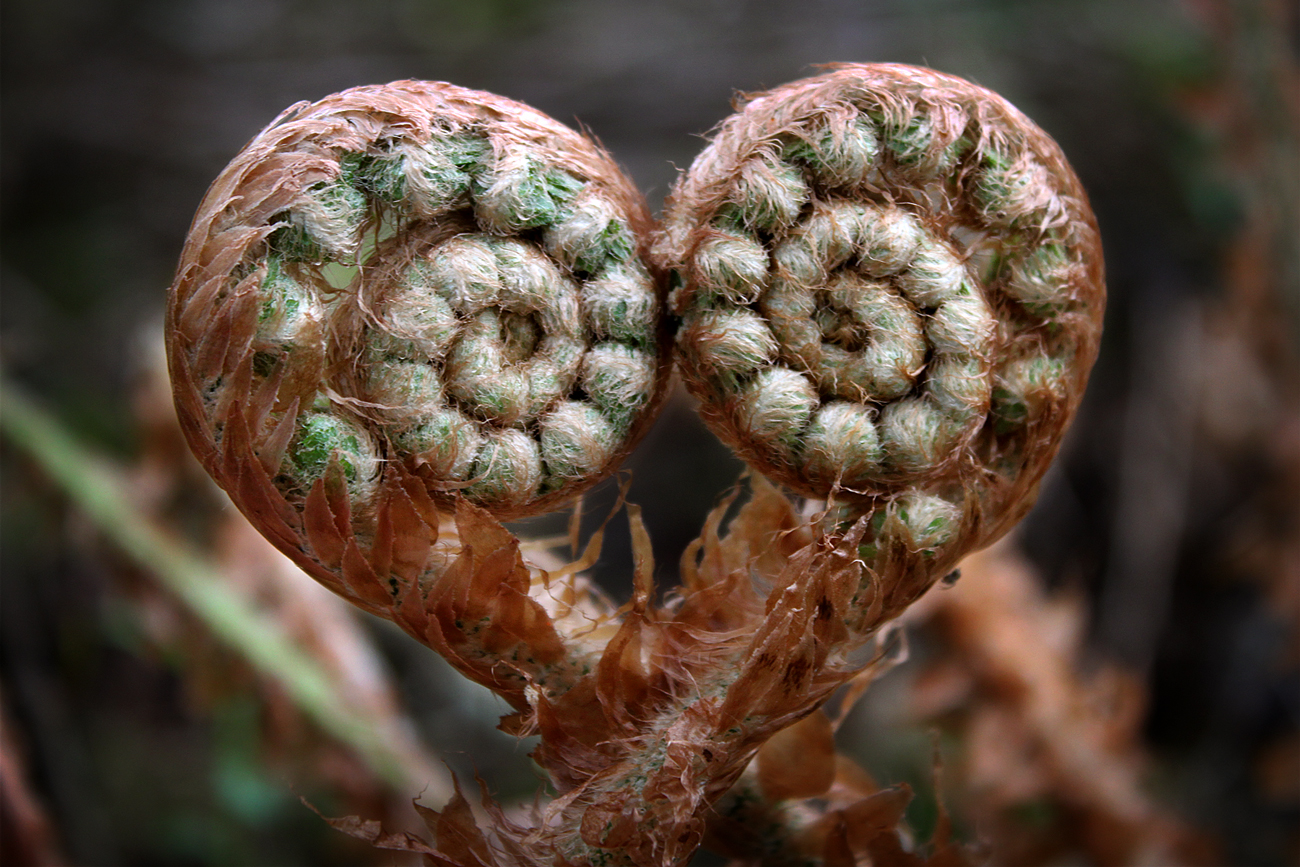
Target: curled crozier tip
(890,291)
(405,294)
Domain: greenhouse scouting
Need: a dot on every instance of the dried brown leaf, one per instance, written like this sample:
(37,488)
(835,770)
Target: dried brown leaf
(798,761)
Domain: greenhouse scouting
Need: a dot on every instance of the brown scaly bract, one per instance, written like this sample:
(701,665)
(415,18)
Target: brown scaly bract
(406,313)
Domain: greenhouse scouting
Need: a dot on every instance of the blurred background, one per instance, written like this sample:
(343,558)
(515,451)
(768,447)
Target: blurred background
(1163,557)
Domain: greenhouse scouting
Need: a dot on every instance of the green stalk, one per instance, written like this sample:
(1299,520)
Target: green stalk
(96,488)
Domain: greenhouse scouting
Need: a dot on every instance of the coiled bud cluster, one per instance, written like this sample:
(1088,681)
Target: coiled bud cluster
(406,313)
(890,291)
(422,277)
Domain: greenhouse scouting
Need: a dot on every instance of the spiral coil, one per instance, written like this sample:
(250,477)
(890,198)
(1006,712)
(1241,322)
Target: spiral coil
(423,275)
(889,286)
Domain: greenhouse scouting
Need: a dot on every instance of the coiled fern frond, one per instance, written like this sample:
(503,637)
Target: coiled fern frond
(890,288)
(404,295)
(406,313)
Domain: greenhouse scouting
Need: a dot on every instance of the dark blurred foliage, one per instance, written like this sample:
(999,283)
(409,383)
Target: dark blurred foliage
(1174,509)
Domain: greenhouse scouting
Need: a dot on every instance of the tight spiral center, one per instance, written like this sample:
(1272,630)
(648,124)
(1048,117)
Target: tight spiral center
(858,350)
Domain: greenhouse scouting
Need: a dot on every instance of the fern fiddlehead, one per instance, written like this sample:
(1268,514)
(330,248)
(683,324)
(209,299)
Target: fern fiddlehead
(890,290)
(414,276)
(408,301)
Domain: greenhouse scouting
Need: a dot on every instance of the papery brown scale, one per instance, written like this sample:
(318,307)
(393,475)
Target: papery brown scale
(798,568)
(724,606)
(518,724)
(766,532)
(236,395)
(680,783)
(457,833)
(499,594)
(447,631)
(192,317)
(446,602)
(321,527)
(253,485)
(361,579)
(300,377)
(525,622)
(495,586)
(622,684)
(798,761)
(514,843)
(244,306)
(871,822)
(266,396)
(230,289)
(782,670)
(207,276)
(702,560)
(337,495)
(492,578)
(685,652)
(231,407)
(643,568)
(689,567)
(236,444)
(479,530)
(403,541)
(272,183)
(449,594)
(796,678)
(410,612)
(575,737)
(835,850)
(373,833)
(607,827)
(758,688)
(830,596)
(441,634)
(276,444)
(190,410)
(210,354)
(423,504)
